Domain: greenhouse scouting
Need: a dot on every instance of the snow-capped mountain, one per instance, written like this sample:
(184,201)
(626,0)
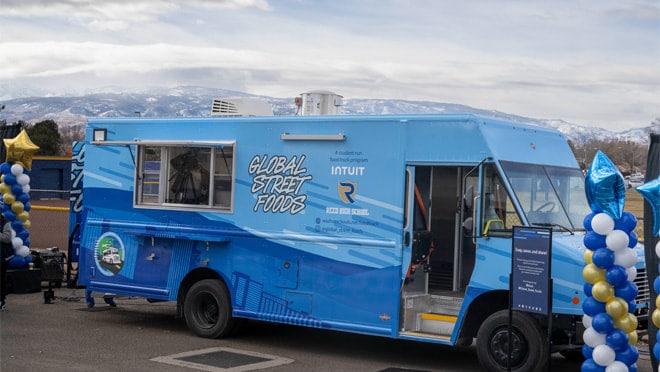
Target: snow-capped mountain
(196,101)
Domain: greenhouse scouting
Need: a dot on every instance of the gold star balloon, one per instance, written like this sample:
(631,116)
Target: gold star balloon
(21,149)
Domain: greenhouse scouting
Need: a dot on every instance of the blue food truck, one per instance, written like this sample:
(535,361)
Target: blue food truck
(394,225)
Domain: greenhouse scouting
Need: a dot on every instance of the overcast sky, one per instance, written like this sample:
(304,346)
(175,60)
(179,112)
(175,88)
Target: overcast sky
(589,62)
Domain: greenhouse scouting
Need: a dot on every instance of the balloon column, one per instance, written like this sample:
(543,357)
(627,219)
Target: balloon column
(15,188)
(651,192)
(610,336)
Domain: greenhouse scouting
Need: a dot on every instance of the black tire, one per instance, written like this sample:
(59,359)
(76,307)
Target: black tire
(530,351)
(207,309)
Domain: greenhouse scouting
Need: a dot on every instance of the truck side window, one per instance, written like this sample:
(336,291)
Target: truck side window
(171,175)
(498,213)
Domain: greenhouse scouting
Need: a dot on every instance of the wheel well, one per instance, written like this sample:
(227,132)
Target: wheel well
(480,309)
(190,279)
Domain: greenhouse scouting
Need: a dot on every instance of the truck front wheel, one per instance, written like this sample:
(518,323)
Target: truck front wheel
(529,351)
(207,309)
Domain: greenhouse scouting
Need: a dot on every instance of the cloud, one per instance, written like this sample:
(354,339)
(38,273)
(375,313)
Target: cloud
(115,15)
(536,59)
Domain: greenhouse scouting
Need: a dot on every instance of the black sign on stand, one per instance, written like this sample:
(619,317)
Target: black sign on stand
(530,282)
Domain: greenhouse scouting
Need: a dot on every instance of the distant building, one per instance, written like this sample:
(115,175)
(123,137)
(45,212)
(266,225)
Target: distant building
(50,177)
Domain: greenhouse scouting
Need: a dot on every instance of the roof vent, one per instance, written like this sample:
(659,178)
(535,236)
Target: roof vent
(318,102)
(240,107)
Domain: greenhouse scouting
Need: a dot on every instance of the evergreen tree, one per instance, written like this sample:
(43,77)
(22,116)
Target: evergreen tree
(46,135)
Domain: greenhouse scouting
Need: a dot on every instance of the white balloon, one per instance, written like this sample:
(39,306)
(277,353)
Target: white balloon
(657,249)
(625,257)
(16,169)
(26,189)
(23,179)
(23,251)
(602,224)
(617,366)
(632,273)
(603,355)
(16,243)
(592,338)
(617,240)
(586,321)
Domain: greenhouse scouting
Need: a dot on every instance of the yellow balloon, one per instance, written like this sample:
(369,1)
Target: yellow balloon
(23,216)
(616,308)
(627,323)
(8,198)
(592,274)
(632,338)
(27,224)
(588,253)
(657,302)
(655,318)
(17,207)
(4,188)
(21,149)
(602,291)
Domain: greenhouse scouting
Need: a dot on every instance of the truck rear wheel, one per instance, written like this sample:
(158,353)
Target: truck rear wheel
(207,309)
(529,351)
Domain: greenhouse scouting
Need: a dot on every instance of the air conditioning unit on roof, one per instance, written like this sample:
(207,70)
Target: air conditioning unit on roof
(240,107)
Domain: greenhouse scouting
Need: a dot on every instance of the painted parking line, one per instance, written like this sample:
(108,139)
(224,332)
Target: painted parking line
(223,359)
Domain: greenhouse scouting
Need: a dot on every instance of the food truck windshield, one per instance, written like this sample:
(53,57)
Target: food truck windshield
(549,195)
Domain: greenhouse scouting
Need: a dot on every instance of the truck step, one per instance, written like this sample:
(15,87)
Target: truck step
(439,324)
(443,304)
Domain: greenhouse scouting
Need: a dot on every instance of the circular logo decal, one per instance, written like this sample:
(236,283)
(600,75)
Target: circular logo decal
(109,254)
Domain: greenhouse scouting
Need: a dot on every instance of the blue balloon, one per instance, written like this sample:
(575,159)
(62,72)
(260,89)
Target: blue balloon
(27,206)
(632,239)
(617,339)
(616,275)
(587,289)
(17,189)
(590,365)
(9,215)
(656,351)
(632,306)
(603,258)
(628,356)
(627,222)
(587,222)
(592,240)
(587,351)
(28,259)
(10,179)
(17,225)
(602,323)
(651,192)
(17,262)
(23,234)
(5,168)
(628,291)
(23,197)
(632,367)
(656,283)
(591,306)
(604,186)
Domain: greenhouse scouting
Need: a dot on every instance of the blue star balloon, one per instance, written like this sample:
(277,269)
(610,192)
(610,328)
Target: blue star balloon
(651,192)
(605,188)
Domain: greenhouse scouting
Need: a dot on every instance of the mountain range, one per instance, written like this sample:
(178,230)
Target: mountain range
(196,101)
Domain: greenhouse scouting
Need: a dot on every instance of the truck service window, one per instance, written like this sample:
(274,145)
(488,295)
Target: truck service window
(185,176)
